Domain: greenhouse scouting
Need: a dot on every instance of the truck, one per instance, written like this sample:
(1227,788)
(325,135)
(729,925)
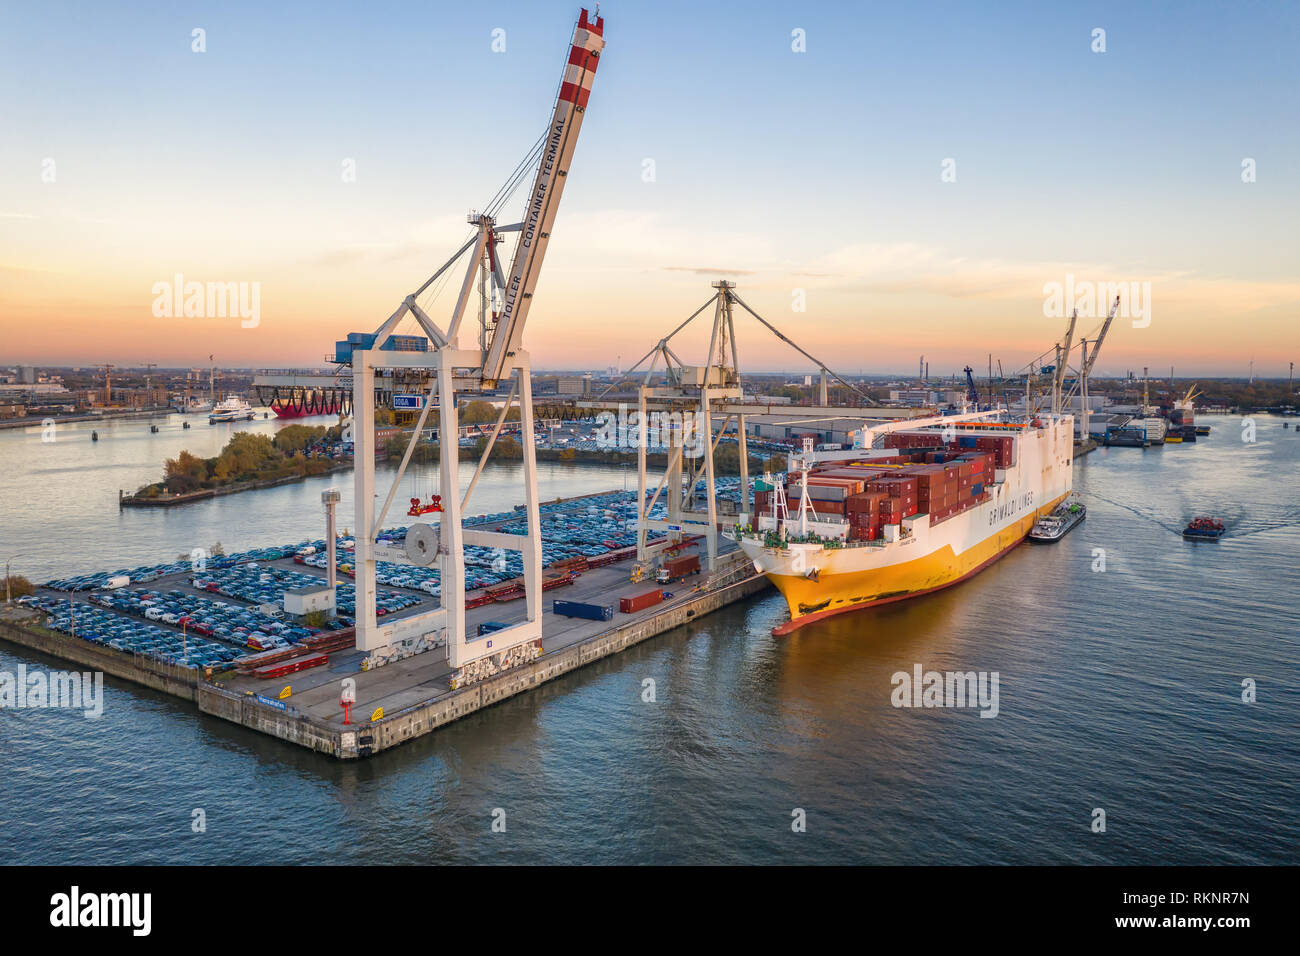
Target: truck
(674,569)
(118,581)
(592,612)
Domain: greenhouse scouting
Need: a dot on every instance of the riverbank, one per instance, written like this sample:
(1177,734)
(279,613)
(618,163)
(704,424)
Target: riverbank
(166,501)
(32,421)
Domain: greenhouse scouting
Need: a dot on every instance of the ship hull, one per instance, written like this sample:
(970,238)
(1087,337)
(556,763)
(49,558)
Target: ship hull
(819,582)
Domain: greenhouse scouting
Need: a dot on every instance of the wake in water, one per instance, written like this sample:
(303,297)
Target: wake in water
(1237,520)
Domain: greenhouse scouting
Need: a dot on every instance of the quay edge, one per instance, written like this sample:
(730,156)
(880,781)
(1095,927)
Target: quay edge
(369,738)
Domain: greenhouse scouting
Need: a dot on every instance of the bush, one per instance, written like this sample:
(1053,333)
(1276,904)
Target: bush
(18,586)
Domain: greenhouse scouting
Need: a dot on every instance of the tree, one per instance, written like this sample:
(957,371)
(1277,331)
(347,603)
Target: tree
(478,412)
(505,448)
(294,438)
(17,586)
(245,454)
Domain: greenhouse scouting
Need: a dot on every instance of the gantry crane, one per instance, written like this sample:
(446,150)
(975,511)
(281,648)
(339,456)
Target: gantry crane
(446,370)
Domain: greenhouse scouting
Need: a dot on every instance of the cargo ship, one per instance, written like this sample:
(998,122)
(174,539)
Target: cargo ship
(301,402)
(940,501)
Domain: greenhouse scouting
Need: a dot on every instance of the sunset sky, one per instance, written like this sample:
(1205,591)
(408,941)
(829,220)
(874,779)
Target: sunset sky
(817,171)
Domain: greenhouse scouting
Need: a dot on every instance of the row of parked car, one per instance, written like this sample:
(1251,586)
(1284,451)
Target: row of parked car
(232,624)
(266,585)
(137,637)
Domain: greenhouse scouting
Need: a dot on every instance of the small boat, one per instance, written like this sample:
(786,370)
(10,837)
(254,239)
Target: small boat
(1055,526)
(1202,430)
(94,436)
(1209,529)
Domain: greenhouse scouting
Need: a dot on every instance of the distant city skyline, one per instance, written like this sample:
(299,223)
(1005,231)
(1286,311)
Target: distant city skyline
(881,183)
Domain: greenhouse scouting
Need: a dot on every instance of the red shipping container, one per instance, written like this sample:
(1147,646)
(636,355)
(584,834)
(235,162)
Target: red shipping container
(639,602)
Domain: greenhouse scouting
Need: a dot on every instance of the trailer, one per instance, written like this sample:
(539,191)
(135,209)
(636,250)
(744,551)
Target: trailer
(592,612)
(292,666)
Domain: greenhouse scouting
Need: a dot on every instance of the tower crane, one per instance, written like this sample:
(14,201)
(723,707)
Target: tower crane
(497,360)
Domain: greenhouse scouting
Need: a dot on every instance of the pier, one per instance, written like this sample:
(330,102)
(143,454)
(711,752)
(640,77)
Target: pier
(414,693)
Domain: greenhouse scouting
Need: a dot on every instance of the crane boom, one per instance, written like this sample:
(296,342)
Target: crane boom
(544,199)
(1062,362)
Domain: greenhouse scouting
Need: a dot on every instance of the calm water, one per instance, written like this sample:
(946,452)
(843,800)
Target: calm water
(1119,689)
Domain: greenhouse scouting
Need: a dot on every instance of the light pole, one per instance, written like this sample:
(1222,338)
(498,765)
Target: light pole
(8,586)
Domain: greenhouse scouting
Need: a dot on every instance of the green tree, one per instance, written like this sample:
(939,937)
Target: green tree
(294,438)
(244,455)
(477,413)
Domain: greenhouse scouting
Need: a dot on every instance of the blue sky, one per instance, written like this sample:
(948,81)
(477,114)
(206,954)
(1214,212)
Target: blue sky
(770,163)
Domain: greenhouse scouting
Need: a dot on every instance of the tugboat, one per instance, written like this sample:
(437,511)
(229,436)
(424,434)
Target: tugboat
(1209,529)
(1055,526)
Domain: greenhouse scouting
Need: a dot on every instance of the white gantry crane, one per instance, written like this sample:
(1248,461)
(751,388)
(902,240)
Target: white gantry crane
(681,411)
(496,361)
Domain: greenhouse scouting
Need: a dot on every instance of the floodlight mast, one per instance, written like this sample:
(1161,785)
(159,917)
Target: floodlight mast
(438,375)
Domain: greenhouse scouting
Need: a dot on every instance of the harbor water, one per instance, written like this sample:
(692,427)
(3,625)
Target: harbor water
(1120,651)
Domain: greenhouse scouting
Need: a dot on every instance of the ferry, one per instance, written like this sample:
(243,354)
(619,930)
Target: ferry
(233,409)
(1059,523)
(988,478)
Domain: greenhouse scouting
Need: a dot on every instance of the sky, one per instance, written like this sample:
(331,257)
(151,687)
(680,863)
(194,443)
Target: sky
(909,183)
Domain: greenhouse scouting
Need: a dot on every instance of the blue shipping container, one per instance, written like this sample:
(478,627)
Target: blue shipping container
(967,441)
(487,627)
(592,612)
(977,490)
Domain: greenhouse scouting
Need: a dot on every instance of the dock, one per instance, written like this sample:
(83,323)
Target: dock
(415,694)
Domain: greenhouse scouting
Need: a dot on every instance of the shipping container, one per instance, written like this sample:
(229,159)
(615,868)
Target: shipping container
(592,612)
(639,602)
(487,627)
(676,568)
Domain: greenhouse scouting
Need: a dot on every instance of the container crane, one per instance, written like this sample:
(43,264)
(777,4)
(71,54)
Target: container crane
(444,370)
(1062,361)
(1086,361)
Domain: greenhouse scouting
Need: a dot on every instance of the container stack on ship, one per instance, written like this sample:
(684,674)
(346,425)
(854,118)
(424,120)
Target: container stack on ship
(941,500)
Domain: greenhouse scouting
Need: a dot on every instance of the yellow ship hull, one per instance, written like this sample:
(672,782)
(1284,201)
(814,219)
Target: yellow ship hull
(812,599)
(819,577)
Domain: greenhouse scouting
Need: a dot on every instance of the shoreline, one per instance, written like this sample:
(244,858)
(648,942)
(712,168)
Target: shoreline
(203,494)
